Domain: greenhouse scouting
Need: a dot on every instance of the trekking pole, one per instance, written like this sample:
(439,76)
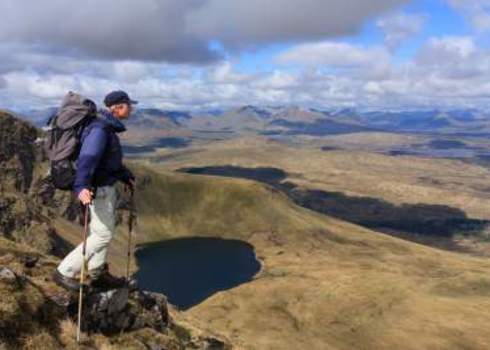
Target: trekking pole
(82,273)
(130,226)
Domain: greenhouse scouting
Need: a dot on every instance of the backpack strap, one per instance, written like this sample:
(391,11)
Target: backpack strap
(85,130)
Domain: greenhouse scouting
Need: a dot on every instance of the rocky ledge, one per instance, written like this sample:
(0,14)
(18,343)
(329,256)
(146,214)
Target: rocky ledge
(121,317)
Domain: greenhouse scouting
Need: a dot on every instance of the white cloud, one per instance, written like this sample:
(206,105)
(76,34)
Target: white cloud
(160,48)
(335,54)
(447,50)
(400,27)
(447,71)
(36,86)
(131,71)
(277,80)
(225,74)
(456,58)
(154,58)
(476,11)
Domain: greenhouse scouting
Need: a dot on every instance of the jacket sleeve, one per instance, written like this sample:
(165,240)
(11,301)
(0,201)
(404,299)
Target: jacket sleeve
(93,147)
(124,174)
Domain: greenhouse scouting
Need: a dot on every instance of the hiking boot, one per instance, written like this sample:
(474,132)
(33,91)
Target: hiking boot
(68,283)
(101,278)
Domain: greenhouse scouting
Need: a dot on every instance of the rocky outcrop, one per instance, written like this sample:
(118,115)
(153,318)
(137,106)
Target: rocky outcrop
(115,314)
(119,310)
(18,153)
(28,202)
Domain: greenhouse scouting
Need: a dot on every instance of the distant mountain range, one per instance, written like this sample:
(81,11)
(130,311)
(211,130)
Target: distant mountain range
(301,121)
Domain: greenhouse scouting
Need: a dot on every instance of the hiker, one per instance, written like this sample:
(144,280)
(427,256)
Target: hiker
(98,167)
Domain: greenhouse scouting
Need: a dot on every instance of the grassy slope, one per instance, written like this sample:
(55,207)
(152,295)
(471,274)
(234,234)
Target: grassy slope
(324,282)
(397,180)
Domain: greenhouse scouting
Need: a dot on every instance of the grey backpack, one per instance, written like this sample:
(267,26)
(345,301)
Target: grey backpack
(63,132)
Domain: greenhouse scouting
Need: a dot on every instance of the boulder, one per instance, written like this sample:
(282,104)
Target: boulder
(7,275)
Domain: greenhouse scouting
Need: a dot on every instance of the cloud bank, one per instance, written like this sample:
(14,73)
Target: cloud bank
(176,30)
(184,54)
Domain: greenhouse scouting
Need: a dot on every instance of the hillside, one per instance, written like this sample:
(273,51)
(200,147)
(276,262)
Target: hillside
(435,201)
(37,314)
(397,180)
(323,283)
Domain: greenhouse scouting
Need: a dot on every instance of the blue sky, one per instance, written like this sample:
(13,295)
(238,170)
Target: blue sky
(443,20)
(379,54)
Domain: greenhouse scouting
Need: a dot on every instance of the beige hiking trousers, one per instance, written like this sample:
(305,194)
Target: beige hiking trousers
(101,231)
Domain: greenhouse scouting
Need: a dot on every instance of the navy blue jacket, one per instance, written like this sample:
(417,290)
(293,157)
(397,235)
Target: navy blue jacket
(100,159)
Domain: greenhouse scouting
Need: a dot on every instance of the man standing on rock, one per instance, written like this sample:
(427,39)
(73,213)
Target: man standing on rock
(99,166)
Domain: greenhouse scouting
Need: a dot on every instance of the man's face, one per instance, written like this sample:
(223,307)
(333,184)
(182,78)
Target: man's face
(122,110)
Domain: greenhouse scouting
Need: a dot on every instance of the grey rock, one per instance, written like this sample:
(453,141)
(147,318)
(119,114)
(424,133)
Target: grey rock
(7,275)
(116,310)
(110,302)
